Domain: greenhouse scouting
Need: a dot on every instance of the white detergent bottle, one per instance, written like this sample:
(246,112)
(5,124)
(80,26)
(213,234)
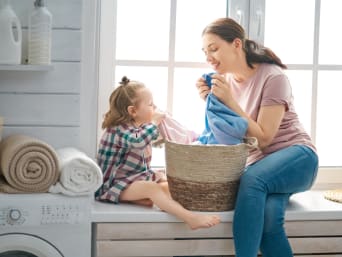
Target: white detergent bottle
(39,35)
(10,35)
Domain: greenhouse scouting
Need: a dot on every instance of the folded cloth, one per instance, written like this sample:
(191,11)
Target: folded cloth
(222,125)
(79,174)
(172,130)
(27,165)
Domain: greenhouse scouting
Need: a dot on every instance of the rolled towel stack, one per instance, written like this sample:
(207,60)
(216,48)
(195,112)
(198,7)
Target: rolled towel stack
(27,164)
(79,174)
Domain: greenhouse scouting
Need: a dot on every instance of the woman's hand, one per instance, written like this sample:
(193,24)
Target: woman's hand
(221,89)
(202,88)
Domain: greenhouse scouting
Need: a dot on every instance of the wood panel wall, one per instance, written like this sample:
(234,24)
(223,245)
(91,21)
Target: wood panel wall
(46,104)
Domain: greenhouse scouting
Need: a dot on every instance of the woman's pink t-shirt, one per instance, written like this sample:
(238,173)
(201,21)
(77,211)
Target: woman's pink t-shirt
(270,86)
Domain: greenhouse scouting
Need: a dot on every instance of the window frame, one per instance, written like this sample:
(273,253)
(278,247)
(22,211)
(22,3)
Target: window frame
(328,177)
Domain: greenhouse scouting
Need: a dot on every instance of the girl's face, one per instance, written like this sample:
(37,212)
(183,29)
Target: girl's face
(220,54)
(144,109)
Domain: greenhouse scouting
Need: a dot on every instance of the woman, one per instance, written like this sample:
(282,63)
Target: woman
(250,80)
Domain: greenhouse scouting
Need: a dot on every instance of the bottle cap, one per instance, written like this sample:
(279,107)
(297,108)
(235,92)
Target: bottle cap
(39,3)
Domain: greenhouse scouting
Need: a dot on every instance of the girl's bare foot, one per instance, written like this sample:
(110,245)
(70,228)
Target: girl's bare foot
(203,221)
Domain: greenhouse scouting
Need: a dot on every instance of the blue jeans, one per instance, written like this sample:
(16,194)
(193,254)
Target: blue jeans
(264,192)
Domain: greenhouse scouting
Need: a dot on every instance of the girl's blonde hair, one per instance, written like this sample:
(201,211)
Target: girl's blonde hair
(123,96)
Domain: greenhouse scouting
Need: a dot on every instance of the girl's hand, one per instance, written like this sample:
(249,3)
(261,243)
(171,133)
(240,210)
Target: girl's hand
(202,88)
(158,116)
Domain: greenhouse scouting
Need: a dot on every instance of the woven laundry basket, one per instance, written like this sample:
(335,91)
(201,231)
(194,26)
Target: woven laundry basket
(206,177)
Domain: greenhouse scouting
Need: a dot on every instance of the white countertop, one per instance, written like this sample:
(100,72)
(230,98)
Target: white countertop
(310,205)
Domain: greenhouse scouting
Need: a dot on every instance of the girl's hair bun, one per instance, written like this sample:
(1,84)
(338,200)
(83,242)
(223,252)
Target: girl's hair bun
(124,80)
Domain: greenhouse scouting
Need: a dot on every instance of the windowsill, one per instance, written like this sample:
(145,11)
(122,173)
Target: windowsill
(328,178)
(310,205)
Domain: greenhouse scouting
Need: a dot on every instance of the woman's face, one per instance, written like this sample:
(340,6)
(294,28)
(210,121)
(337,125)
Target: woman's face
(220,54)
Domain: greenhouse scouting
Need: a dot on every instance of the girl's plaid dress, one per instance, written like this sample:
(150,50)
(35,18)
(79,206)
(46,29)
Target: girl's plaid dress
(124,156)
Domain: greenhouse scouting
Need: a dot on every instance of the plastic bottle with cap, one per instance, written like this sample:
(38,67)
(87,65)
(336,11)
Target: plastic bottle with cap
(39,34)
(10,35)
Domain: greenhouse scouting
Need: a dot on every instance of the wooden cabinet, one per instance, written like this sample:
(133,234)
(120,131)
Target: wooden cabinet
(313,225)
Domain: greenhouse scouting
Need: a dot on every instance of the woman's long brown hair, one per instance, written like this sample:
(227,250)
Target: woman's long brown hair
(229,30)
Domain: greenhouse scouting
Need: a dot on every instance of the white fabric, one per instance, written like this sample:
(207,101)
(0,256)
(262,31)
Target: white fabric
(79,174)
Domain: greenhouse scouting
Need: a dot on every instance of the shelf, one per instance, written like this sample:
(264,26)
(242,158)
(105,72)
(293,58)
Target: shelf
(25,67)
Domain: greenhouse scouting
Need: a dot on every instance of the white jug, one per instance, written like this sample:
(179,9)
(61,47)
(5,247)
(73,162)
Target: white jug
(11,35)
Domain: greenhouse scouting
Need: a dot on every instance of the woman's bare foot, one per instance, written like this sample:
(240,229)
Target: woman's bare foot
(203,221)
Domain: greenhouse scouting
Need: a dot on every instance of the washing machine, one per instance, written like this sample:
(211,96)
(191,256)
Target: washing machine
(45,225)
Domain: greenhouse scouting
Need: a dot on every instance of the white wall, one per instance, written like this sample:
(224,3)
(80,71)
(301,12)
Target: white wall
(46,104)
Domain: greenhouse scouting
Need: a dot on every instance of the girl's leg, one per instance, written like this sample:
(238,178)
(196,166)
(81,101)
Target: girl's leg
(148,189)
(144,202)
(287,171)
(165,186)
(148,202)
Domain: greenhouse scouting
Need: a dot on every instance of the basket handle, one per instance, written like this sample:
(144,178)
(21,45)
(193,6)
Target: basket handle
(251,142)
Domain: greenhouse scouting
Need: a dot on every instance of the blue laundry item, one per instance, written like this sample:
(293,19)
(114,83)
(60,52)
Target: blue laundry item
(222,125)
(207,78)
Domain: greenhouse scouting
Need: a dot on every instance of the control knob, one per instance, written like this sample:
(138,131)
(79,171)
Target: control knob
(14,216)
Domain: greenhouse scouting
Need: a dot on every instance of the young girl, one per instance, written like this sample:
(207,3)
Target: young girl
(124,155)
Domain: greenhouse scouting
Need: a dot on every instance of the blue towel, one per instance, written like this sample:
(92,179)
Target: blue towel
(222,125)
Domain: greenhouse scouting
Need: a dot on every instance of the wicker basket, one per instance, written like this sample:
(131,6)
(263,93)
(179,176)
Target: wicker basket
(205,177)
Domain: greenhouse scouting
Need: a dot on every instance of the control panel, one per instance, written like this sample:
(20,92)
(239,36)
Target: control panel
(47,210)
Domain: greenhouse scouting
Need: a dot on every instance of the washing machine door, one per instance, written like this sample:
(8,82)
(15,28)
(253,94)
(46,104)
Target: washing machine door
(17,245)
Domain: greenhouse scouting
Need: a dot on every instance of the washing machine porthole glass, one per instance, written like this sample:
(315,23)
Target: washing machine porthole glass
(16,254)
(26,245)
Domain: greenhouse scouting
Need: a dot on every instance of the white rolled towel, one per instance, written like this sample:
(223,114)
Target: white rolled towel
(79,174)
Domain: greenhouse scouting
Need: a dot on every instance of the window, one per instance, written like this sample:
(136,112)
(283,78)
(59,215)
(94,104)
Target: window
(301,32)
(163,49)
(160,48)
